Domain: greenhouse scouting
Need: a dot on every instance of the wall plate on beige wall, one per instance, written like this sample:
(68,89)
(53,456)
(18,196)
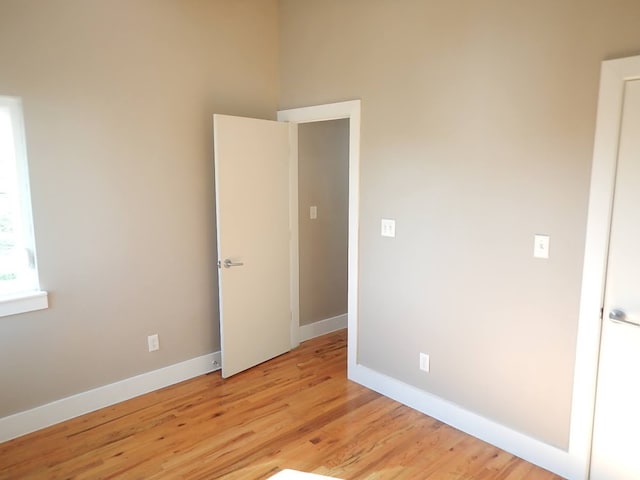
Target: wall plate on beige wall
(541,246)
(388,227)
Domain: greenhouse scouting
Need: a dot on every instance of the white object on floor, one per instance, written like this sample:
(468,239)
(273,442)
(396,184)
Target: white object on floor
(295,475)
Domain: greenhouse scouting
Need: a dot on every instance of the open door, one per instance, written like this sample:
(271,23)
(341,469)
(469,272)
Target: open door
(253,231)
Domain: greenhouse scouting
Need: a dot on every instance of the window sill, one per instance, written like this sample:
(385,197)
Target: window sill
(22,303)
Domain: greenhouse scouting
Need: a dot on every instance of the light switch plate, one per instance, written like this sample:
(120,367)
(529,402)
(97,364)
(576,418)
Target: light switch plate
(313,212)
(541,246)
(388,227)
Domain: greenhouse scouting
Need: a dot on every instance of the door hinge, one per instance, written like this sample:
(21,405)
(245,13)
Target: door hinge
(601,313)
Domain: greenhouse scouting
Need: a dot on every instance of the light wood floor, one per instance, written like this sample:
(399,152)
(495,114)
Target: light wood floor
(297,411)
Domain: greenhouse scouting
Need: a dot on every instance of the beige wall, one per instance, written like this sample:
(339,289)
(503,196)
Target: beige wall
(323,181)
(118,97)
(477,130)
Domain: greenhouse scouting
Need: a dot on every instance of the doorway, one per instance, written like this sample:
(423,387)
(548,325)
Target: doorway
(608,342)
(245,147)
(349,110)
(323,220)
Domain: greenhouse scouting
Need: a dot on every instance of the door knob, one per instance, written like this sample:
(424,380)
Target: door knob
(228,263)
(620,316)
(617,315)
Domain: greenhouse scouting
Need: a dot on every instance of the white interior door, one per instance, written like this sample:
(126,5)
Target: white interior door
(616,435)
(252,207)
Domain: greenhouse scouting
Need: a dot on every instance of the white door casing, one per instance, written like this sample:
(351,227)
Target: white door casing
(253,233)
(318,113)
(614,77)
(617,410)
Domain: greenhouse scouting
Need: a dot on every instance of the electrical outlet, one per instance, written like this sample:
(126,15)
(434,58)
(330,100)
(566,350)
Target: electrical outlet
(424,362)
(313,212)
(153,342)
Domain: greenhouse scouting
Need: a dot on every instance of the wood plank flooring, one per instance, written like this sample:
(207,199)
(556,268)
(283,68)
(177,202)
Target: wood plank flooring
(297,411)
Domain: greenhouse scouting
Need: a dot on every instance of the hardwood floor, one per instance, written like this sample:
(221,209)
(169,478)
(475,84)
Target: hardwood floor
(297,411)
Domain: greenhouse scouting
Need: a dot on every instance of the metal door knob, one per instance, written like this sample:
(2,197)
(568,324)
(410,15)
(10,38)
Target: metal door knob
(228,263)
(620,316)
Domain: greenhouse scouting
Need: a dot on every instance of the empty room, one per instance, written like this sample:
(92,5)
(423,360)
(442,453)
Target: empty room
(298,239)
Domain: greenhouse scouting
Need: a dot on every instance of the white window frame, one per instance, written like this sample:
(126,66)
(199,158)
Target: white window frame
(27,296)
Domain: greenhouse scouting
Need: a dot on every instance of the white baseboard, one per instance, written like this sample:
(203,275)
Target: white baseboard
(321,327)
(539,453)
(29,421)
(534,451)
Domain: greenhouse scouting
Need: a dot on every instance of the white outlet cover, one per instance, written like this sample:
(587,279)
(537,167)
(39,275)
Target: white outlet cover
(541,246)
(313,212)
(153,342)
(388,227)
(424,362)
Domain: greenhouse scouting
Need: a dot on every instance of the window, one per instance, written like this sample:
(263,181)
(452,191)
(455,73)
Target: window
(19,285)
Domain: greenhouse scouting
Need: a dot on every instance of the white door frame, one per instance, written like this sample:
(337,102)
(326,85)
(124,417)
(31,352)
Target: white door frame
(614,75)
(320,113)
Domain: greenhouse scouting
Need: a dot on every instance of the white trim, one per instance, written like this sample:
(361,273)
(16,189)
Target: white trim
(55,412)
(294,259)
(26,302)
(322,327)
(516,443)
(335,111)
(614,75)
(320,113)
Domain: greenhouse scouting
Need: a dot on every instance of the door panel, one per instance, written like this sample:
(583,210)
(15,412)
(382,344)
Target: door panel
(617,420)
(252,207)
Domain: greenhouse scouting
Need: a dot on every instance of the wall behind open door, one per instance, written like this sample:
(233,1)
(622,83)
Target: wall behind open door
(323,182)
